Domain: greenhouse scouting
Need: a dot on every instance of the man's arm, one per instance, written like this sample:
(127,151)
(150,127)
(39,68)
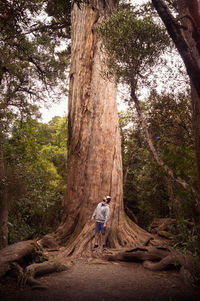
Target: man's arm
(107,215)
(95,212)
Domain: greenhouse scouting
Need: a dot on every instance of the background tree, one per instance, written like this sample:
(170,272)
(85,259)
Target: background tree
(3,202)
(32,67)
(130,49)
(184,31)
(148,192)
(143,50)
(36,156)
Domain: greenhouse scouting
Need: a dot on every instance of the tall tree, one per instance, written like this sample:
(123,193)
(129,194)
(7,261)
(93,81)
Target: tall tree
(147,190)
(184,31)
(31,67)
(36,177)
(94,162)
(133,46)
(3,202)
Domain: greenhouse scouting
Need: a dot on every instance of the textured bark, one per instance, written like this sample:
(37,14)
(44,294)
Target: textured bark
(15,257)
(177,33)
(158,259)
(3,203)
(94,157)
(189,12)
(38,269)
(196,126)
(140,254)
(16,253)
(163,264)
(174,259)
(185,34)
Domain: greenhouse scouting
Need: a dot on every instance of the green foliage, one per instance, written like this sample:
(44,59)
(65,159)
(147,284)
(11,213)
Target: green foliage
(36,157)
(148,191)
(60,11)
(187,239)
(170,124)
(32,68)
(144,193)
(132,44)
(33,64)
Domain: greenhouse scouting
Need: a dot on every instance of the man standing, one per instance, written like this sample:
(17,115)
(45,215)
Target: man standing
(101,213)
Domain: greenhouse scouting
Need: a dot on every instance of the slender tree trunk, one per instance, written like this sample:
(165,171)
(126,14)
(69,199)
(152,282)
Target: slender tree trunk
(189,12)
(176,208)
(196,126)
(128,165)
(149,140)
(3,203)
(177,33)
(94,157)
(185,34)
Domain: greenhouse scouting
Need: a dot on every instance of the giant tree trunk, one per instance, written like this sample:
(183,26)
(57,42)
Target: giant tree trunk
(94,162)
(185,33)
(3,203)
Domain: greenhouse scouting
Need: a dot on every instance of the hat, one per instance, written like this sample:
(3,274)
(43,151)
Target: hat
(108,198)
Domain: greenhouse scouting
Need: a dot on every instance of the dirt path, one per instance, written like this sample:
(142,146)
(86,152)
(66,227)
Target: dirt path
(106,282)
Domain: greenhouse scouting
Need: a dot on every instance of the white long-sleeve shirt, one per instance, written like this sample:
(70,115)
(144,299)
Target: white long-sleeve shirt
(102,213)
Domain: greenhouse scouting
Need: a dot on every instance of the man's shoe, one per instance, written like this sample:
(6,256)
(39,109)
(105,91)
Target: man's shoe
(95,246)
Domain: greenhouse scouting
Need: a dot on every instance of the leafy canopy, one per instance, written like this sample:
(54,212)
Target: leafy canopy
(32,64)
(132,44)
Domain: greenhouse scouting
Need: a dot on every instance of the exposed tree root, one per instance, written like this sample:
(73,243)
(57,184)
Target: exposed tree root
(125,235)
(49,241)
(38,269)
(164,263)
(159,259)
(15,260)
(18,252)
(139,254)
(187,265)
(127,243)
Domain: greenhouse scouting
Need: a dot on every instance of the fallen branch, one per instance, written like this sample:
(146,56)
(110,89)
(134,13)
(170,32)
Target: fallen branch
(16,258)
(16,253)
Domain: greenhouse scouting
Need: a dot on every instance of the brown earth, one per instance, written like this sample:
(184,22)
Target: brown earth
(104,281)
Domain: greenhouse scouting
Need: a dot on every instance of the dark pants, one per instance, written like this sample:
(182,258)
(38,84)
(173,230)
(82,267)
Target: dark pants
(99,228)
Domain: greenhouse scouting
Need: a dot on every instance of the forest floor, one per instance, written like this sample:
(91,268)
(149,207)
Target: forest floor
(104,281)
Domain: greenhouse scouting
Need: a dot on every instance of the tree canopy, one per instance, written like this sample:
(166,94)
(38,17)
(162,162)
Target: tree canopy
(133,44)
(33,64)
